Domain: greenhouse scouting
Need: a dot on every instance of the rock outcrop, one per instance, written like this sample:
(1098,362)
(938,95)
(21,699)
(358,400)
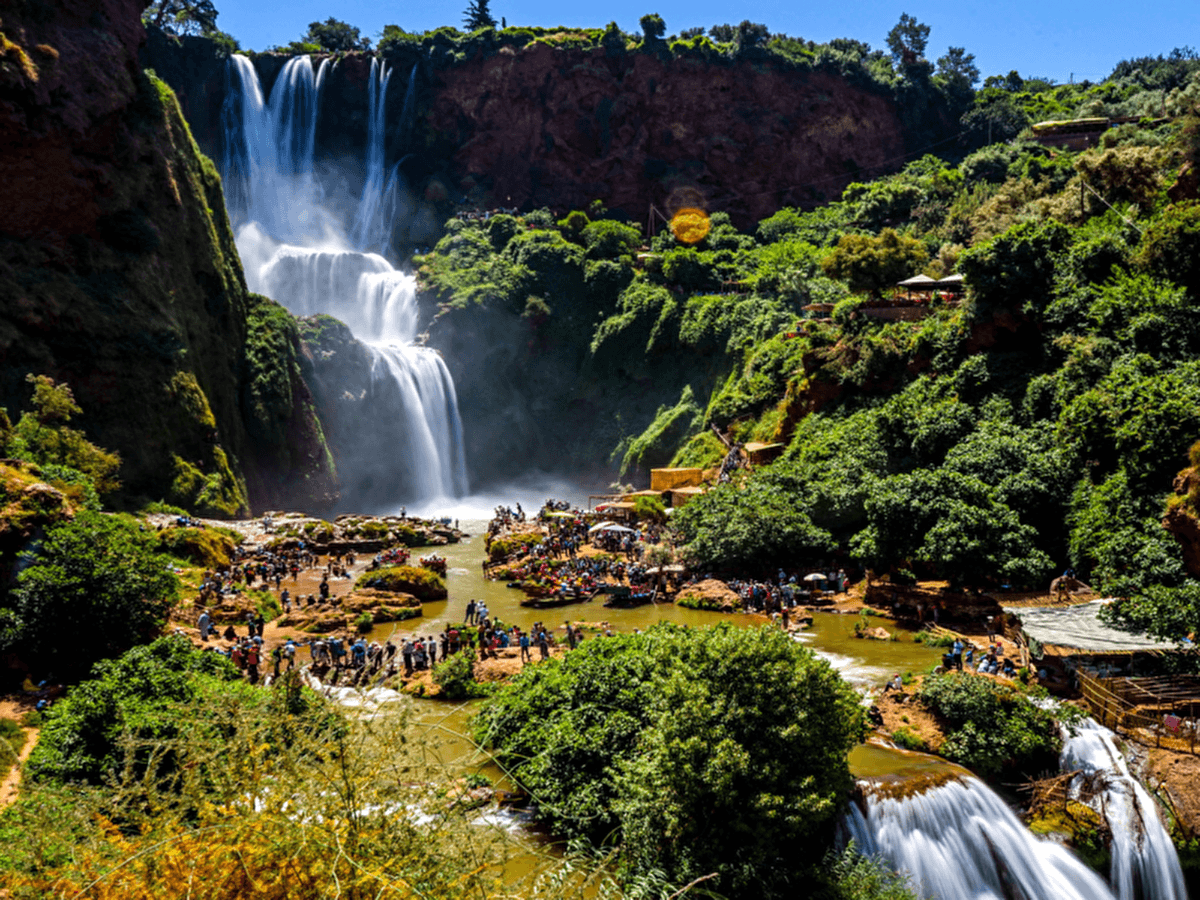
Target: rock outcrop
(120,276)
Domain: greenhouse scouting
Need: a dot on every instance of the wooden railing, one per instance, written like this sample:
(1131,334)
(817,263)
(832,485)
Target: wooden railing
(1121,705)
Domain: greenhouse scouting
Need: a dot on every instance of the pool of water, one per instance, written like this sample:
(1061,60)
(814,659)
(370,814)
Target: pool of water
(865,663)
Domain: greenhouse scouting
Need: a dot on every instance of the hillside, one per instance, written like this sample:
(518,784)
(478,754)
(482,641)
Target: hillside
(121,279)
(1037,425)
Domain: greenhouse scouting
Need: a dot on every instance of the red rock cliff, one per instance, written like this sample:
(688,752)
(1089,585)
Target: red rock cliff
(562,128)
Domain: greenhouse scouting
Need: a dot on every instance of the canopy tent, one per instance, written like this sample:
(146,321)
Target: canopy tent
(917,281)
(599,526)
(1078,627)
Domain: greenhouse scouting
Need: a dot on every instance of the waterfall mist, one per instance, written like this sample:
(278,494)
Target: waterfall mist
(302,249)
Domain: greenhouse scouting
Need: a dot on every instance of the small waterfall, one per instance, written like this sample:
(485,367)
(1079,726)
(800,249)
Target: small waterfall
(960,841)
(269,150)
(409,109)
(369,221)
(1145,865)
(297,252)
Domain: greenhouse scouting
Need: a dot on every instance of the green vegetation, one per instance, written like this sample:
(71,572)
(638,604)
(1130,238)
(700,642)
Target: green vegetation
(993,727)
(423,584)
(209,548)
(92,587)
(41,436)
(139,787)
(730,743)
(455,675)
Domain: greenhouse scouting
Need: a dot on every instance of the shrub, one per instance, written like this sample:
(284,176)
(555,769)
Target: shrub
(683,732)
(993,727)
(455,675)
(364,622)
(92,587)
(907,739)
(206,547)
(423,584)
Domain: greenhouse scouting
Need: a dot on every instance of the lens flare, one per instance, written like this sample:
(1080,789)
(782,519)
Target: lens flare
(690,225)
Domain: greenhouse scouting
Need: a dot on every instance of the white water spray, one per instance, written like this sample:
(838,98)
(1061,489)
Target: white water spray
(960,841)
(297,252)
(1144,862)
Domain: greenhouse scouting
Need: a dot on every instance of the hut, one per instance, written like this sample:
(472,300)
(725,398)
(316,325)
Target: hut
(668,479)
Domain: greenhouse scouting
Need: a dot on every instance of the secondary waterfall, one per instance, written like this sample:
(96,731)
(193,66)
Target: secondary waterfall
(298,252)
(1144,862)
(960,841)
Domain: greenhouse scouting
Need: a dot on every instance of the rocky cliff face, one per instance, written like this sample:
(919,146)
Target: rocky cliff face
(119,275)
(561,127)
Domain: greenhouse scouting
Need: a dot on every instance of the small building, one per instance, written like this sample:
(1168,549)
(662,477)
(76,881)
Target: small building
(681,496)
(669,479)
(758,454)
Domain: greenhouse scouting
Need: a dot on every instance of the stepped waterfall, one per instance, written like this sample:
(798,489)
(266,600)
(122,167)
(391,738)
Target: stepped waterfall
(299,252)
(958,840)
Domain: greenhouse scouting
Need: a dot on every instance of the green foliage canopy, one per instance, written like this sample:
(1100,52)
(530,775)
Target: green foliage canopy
(730,743)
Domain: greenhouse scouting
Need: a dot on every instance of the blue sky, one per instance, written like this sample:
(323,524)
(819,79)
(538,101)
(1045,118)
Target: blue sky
(1047,38)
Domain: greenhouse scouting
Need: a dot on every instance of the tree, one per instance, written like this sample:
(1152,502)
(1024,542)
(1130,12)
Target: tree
(92,587)
(699,750)
(751,34)
(874,264)
(335,36)
(477,15)
(182,16)
(722,34)
(653,27)
(958,68)
(41,436)
(907,41)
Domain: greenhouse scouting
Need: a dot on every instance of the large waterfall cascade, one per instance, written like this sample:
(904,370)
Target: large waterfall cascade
(298,252)
(959,839)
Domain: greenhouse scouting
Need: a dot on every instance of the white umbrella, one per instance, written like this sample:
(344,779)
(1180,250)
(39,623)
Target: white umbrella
(616,528)
(815,576)
(600,526)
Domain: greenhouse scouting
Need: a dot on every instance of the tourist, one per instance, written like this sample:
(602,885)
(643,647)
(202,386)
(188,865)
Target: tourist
(524,643)
(470,616)
(204,623)
(431,649)
(406,653)
(543,644)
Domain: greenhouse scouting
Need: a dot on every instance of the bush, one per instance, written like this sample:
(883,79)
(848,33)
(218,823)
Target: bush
(993,727)
(91,588)
(907,739)
(455,675)
(206,547)
(364,622)
(423,584)
(732,742)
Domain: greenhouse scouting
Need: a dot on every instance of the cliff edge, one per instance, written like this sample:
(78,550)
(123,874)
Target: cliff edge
(119,275)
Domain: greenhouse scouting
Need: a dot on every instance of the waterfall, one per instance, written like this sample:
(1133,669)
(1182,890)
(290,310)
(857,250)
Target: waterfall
(1144,862)
(369,233)
(960,841)
(298,252)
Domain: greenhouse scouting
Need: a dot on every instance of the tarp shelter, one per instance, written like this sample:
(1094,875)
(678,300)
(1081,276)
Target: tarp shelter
(1078,627)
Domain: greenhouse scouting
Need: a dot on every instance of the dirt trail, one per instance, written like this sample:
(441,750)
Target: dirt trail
(14,707)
